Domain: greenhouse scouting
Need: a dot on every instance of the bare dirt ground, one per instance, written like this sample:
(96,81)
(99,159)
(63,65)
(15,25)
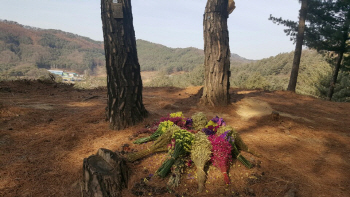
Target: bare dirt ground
(46,130)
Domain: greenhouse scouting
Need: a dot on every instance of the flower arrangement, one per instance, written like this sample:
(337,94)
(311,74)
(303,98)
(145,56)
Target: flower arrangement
(163,126)
(176,114)
(199,121)
(200,155)
(212,126)
(178,119)
(158,146)
(183,142)
(213,141)
(226,128)
(176,171)
(237,144)
(221,154)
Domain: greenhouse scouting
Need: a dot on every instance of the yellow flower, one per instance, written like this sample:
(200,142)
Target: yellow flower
(211,123)
(177,114)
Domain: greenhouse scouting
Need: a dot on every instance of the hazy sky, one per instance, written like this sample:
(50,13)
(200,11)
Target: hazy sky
(173,23)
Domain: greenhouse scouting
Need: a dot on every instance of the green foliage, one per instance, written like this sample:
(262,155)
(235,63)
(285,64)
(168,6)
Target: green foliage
(273,73)
(327,25)
(38,74)
(91,82)
(346,62)
(193,78)
(268,74)
(20,71)
(24,72)
(327,30)
(52,41)
(256,81)
(156,57)
(342,88)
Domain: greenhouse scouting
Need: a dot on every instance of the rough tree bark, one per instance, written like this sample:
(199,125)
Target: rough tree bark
(217,54)
(125,107)
(104,174)
(335,76)
(298,47)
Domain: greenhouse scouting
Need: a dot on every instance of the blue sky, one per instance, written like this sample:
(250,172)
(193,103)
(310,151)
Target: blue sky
(173,23)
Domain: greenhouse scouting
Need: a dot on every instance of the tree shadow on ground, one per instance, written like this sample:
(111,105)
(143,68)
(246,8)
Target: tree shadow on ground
(49,152)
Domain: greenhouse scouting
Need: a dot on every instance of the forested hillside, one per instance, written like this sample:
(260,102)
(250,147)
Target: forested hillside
(29,51)
(272,74)
(157,57)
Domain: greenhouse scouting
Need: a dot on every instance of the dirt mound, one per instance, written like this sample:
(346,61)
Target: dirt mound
(249,108)
(46,130)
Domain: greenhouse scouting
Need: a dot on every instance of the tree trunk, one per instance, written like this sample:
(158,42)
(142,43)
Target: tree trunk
(298,47)
(217,54)
(125,107)
(335,76)
(104,174)
(340,56)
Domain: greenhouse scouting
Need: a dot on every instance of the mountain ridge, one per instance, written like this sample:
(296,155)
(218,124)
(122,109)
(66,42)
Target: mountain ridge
(27,47)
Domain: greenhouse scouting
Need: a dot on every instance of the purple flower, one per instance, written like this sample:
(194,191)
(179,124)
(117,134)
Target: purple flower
(219,121)
(216,119)
(208,131)
(189,122)
(227,137)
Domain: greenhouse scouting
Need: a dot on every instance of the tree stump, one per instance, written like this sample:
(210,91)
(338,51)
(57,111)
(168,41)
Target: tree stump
(104,174)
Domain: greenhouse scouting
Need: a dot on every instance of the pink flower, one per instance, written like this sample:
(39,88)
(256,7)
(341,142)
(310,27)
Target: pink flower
(221,154)
(189,163)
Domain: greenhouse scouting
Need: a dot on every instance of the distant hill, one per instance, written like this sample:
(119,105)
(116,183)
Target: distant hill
(154,57)
(26,50)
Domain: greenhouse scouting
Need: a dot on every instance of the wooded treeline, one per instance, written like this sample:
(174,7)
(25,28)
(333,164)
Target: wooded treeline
(272,74)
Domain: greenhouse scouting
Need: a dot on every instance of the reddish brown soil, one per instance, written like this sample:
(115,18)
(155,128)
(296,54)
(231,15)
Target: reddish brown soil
(46,130)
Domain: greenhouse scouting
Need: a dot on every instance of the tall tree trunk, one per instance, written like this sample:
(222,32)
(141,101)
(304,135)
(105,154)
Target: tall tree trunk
(125,107)
(340,56)
(335,76)
(298,47)
(217,54)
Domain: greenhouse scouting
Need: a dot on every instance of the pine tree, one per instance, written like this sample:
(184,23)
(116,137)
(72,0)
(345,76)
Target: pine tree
(217,54)
(327,29)
(124,84)
(299,42)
